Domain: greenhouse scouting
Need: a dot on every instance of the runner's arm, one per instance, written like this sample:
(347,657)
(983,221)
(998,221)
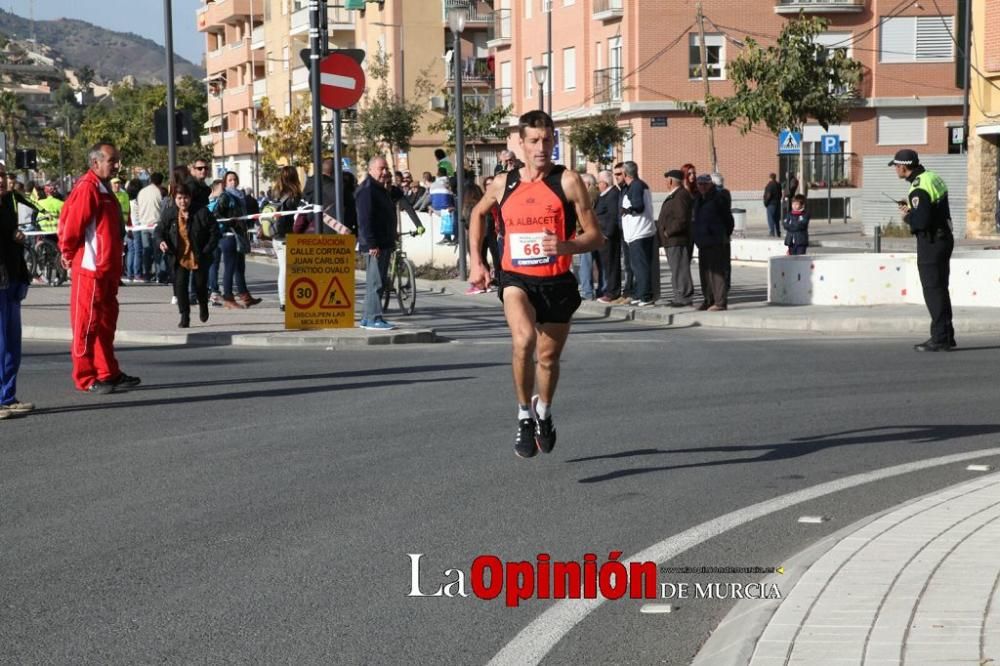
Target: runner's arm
(591,238)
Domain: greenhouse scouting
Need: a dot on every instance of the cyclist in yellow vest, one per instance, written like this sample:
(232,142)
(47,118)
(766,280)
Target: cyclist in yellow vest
(928,215)
(50,206)
(123,203)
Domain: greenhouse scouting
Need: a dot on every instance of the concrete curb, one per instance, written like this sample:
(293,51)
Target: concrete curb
(347,339)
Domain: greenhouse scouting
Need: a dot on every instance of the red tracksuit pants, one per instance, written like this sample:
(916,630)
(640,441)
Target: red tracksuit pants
(93,316)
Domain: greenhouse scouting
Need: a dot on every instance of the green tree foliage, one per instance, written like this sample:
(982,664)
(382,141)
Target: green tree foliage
(480,124)
(386,123)
(125,118)
(284,140)
(786,85)
(13,118)
(595,136)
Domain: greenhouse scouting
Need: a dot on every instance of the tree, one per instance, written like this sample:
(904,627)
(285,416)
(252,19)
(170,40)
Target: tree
(84,78)
(13,116)
(283,139)
(785,85)
(596,136)
(479,124)
(385,122)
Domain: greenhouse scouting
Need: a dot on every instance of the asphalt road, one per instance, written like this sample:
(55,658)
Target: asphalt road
(258,506)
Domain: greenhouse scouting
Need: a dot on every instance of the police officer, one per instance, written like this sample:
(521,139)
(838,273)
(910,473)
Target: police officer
(927,213)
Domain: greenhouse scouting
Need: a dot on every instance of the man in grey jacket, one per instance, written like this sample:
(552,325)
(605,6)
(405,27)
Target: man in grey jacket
(674,227)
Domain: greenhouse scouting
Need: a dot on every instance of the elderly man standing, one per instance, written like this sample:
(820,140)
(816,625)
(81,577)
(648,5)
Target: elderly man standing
(639,233)
(148,206)
(606,210)
(376,238)
(674,227)
(713,225)
(91,244)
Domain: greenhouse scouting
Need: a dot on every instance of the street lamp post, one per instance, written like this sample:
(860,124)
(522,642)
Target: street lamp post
(457,16)
(218,87)
(541,72)
(62,172)
(256,150)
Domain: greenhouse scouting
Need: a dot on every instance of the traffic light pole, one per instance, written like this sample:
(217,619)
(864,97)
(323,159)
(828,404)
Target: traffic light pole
(168,42)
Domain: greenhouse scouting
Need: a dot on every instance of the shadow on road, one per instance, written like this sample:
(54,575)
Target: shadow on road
(796,448)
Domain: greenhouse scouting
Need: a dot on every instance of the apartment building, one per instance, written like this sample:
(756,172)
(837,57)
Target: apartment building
(641,59)
(984,121)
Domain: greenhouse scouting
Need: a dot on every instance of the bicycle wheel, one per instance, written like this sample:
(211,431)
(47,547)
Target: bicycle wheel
(389,280)
(406,286)
(49,265)
(31,260)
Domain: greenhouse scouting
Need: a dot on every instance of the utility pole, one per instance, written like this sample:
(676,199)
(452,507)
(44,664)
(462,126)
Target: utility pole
(552,69)
(168,32)
(317,113)
(703,54)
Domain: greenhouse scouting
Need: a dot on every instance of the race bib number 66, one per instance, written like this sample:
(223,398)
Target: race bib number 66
(526,250)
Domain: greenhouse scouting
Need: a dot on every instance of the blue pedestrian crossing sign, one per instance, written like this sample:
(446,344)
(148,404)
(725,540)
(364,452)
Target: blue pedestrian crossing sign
(789,142)
(830,144)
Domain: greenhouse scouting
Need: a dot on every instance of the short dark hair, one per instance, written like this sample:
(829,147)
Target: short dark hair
(438,153)
(181,188)
(801,198)
(442,171)
(156,178)
(619,165)
(536,119)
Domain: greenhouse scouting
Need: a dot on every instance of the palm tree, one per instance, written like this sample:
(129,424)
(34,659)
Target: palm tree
(12,117)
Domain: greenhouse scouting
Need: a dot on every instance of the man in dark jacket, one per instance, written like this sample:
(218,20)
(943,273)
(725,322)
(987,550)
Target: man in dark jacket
(330,194)
(377,239)
(606,208)
(772,204)
(713,225)
(674,228)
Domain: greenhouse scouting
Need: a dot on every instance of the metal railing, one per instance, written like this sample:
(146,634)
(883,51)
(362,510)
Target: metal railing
(812,3)
(479,12)
(474,70)
(608,85)
(614,6)
(501,24)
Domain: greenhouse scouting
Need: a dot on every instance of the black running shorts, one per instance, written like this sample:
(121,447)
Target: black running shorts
(555,299)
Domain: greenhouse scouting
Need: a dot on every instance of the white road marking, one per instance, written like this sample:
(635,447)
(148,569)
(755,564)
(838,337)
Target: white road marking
(536,640)
(979,468)
(812,520)
(656,608)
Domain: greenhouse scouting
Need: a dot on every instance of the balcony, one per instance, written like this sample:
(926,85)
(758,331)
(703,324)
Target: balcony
(233,99)
(259,35)
(608,85)
(338,18)
(475,72)
(299,23)
(300,78)
(259,89)
(227,11)
(503,97)
(501,29)
(480,14)
(819,6)
(608,10)
(230,56)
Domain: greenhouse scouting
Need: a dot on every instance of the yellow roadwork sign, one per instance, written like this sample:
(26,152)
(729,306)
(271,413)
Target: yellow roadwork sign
(319,281)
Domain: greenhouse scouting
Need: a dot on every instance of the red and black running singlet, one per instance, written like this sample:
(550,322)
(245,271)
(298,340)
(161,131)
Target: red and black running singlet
(527,211)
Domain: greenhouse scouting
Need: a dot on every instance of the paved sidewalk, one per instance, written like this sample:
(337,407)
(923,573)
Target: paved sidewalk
(147,317)
(915,585)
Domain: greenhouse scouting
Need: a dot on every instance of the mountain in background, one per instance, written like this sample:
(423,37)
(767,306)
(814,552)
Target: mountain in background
(112,55)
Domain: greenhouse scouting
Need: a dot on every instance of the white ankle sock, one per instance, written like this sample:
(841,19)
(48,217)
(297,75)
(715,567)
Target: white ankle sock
(523,412)
(542,409)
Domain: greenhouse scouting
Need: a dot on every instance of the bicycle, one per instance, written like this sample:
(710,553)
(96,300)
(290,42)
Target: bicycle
(43,258)
(402,278)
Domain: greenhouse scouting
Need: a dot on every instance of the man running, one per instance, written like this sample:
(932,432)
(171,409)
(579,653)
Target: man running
(540,204)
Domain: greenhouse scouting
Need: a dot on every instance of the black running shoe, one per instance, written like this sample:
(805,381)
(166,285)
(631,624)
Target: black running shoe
(524,443)
(100,388)
(125,381)
(545,432)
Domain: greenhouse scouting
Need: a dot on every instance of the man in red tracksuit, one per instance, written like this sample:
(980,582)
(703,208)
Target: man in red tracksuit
(90,240)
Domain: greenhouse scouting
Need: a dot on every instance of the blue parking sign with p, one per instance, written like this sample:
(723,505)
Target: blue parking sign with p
(830,144)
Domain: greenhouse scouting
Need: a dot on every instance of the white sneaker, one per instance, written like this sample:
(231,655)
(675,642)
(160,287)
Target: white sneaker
(173,300)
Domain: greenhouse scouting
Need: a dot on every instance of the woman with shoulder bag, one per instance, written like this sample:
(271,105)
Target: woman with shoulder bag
(235,244)
(191,237)
(14,281)
(288,191)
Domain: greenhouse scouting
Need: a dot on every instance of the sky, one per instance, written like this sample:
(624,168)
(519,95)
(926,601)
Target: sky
(143,17)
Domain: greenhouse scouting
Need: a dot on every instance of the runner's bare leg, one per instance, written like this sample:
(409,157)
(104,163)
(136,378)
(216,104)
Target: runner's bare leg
(551,340)
(520,316)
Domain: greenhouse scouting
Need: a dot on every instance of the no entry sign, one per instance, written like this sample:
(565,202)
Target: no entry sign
(341,81)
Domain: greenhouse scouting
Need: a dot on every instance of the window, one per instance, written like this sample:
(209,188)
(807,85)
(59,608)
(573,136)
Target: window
(569,69)
(529,77)
(550,76)
(546,5)
(902,126)
(917,39)
(527,8)
(715,56)
(567,3)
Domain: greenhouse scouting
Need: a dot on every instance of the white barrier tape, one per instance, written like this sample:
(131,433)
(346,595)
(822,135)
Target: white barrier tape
(39,233)
(309,210)
(141,227)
